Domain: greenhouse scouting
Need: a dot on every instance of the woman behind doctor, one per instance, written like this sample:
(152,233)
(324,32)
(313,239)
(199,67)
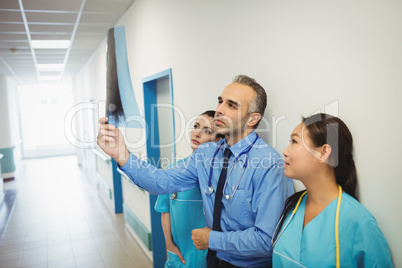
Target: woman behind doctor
(320,156)
(182,212)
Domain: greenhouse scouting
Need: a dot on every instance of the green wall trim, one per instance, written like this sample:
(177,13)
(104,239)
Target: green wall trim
(7,163)
(143,233)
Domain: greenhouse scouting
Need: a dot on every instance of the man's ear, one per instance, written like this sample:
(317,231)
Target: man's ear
(253,119)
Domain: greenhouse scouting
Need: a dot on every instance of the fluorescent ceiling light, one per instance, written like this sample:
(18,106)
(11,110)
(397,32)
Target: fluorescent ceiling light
(50,67)
(50,43)
(48,78)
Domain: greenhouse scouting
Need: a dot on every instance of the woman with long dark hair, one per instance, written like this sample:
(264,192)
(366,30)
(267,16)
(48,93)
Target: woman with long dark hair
(182,212)
(325,225)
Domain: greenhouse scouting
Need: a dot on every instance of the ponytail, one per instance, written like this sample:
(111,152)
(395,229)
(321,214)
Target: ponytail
(327,129)
(346,176)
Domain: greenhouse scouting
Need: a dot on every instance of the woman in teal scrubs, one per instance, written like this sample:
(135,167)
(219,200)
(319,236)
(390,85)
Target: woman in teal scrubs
(325,226)
(182,212)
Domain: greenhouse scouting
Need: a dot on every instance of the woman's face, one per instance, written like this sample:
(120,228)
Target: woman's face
(301,155)
(203,131)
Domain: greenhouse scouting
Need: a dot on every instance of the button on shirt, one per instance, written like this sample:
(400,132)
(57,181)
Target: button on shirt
(248,219)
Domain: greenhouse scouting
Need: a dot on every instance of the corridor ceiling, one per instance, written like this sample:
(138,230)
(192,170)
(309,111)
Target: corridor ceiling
(83,22)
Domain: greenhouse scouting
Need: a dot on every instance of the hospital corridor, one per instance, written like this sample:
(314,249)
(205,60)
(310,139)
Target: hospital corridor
(59,220)
(139,134)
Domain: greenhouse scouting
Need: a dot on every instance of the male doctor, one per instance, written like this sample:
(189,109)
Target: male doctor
(240,178)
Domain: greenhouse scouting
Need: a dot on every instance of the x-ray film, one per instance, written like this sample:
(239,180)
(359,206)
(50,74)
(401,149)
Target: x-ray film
(121,105)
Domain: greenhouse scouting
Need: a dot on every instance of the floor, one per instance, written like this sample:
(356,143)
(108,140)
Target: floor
(59,220)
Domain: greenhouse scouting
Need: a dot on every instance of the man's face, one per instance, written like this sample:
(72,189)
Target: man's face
(232,111)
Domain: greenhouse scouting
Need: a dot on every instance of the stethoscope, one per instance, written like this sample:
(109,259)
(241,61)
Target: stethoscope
(209,189)
(336,225)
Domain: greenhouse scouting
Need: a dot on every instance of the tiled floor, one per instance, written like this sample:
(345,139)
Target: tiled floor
(59,221)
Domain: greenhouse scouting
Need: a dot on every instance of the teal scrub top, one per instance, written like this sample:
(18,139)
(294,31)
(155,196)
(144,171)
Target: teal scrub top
(361,242)
(186,214)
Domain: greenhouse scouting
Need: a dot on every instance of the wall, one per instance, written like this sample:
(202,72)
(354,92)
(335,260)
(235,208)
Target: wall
(342,56)
(15,128)
(10,138)
(6,135)
(165,123)
(91,81)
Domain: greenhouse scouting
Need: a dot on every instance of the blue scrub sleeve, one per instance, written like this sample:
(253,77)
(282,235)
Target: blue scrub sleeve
(370,248)
(162,204)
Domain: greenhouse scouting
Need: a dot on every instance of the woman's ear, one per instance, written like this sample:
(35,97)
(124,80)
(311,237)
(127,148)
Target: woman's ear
(325,152)
(253,119)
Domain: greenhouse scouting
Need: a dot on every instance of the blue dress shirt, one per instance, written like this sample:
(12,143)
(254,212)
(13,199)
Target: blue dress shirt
(248,219)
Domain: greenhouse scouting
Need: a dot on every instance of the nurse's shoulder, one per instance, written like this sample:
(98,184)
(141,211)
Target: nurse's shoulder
(355,215)
(370,248)
(355,209)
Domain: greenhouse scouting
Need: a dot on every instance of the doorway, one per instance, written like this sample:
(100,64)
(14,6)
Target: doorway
(161,149)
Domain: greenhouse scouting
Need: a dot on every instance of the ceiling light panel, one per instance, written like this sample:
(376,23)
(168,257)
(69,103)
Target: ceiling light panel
(50,44)
(50,67)
(48,78)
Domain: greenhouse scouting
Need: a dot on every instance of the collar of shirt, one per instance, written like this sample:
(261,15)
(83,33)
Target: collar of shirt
(241,145)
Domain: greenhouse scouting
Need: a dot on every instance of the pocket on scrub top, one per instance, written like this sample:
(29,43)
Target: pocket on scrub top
(173,260)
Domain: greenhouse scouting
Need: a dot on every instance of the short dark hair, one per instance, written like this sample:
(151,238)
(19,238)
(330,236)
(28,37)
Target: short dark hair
(259,103)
